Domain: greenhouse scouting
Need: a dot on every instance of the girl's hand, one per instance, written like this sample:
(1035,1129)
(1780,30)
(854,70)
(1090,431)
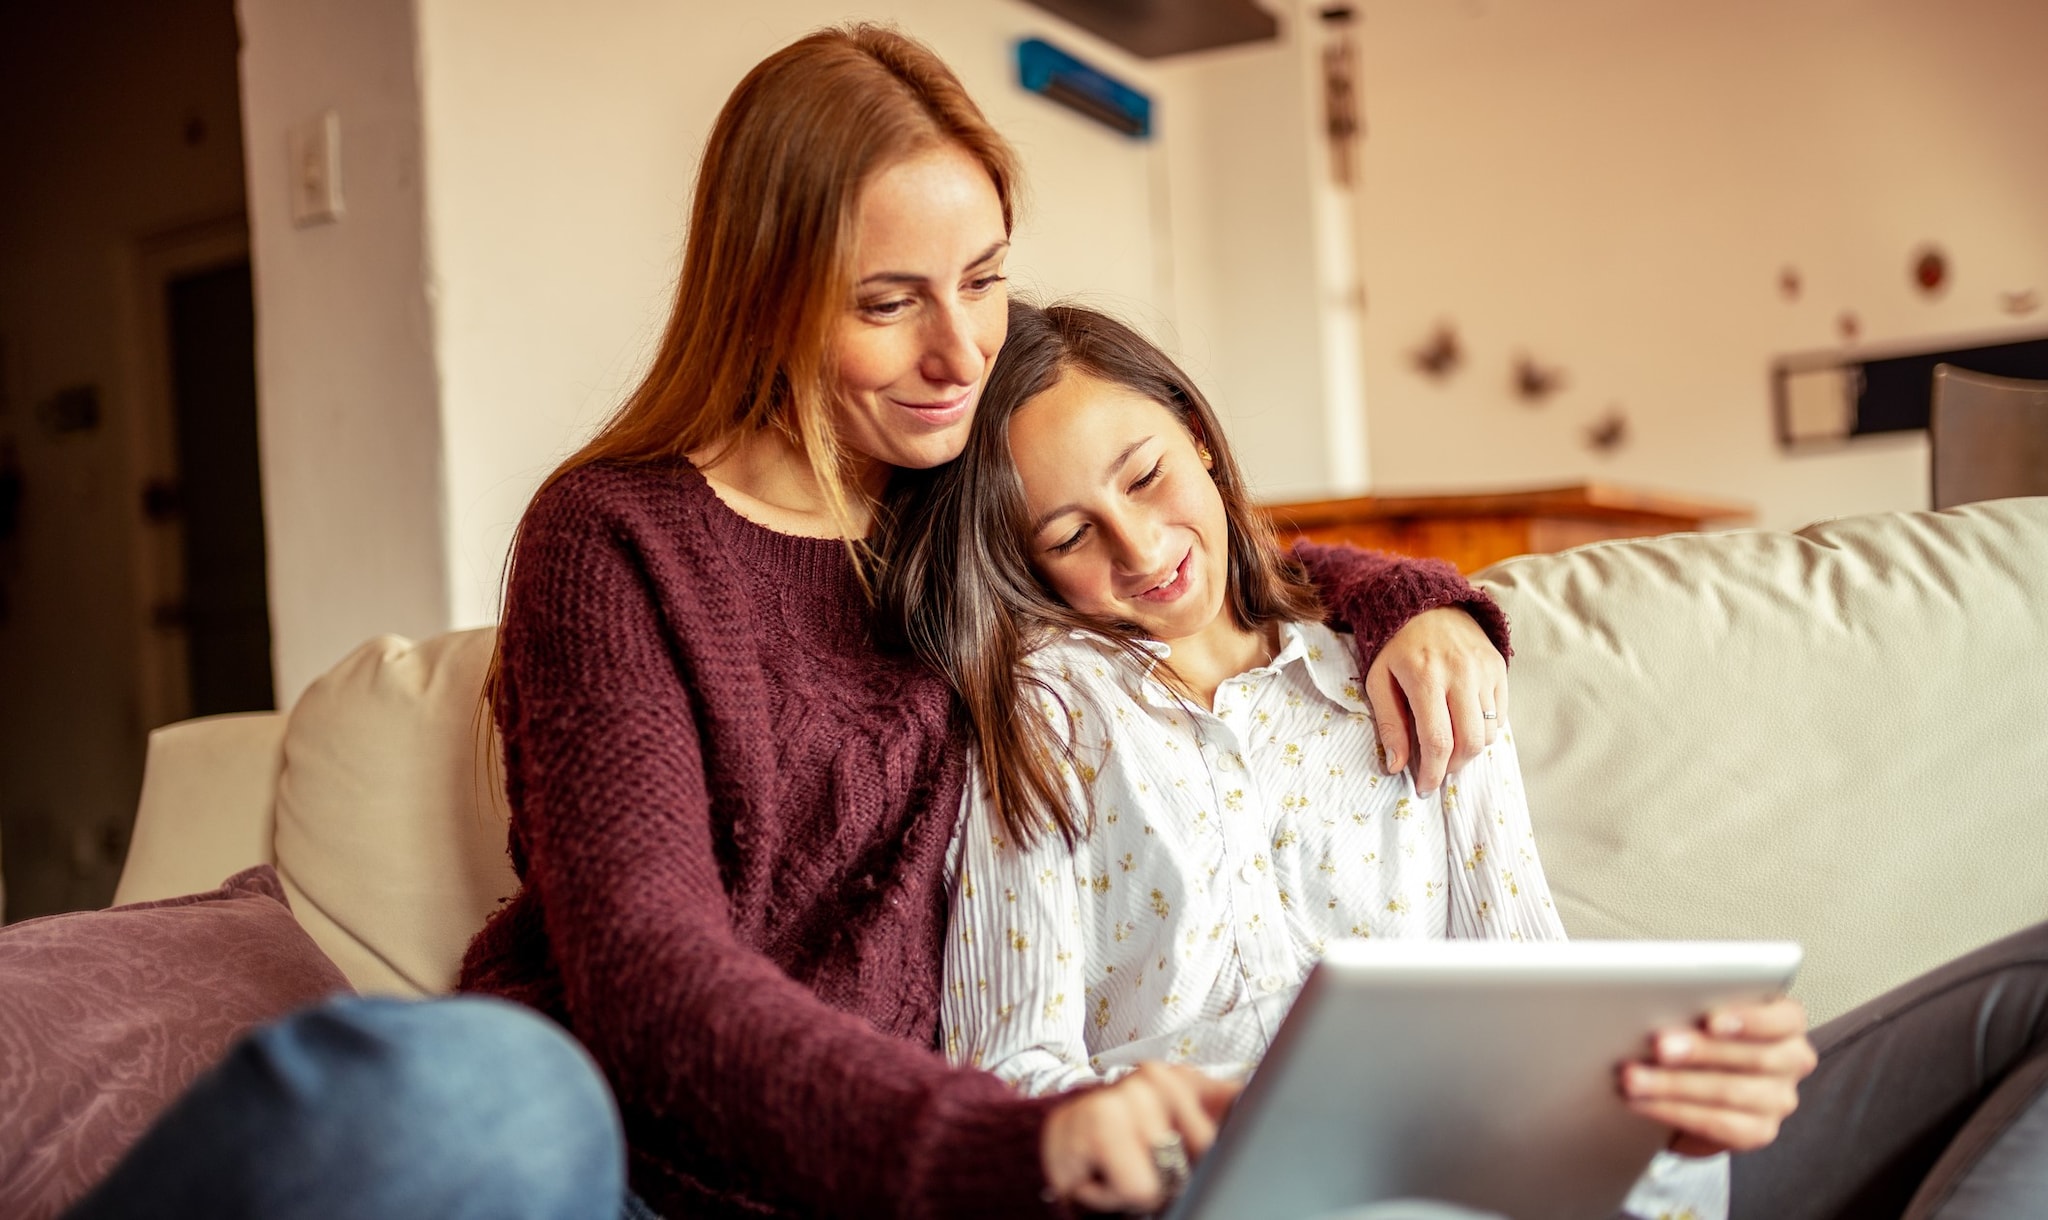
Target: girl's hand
(1727,1085)
(1435,678)
(1097,1147)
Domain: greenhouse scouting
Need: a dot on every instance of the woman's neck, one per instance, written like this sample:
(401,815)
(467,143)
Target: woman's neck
(766,479)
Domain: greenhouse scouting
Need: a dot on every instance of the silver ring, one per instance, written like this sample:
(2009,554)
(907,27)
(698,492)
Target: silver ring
(1489,715)
(1170,1158)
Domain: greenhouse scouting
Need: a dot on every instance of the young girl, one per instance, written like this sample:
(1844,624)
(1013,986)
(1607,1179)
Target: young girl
(1179,802)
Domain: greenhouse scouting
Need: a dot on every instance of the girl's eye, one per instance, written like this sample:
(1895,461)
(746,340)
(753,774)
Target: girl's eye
(985,282)
(1074,540)
(1151,476)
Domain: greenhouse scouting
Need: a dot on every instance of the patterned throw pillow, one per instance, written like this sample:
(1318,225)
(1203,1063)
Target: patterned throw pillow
(106,1016)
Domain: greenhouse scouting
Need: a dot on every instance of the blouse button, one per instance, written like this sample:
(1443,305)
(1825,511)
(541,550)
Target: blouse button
(1249,874)
(1272,983)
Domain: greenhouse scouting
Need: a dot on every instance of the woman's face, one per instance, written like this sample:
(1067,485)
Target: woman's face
(929,313)
(1126,523)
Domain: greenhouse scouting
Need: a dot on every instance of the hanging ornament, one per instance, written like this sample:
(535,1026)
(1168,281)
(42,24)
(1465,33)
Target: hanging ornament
(1609,432)
(1341,120)
(1930,270)
(1534,383)
(1440,354)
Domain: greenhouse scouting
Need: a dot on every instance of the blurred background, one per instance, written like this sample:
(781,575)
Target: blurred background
(300,299)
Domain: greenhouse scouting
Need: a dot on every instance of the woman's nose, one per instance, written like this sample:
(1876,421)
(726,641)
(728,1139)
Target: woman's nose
(952,357)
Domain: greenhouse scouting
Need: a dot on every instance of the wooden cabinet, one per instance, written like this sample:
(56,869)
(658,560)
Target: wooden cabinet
(1474,530)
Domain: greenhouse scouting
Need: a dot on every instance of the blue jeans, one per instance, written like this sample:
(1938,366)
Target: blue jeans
(384,1108)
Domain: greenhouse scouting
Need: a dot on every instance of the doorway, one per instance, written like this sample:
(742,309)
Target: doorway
(203,578)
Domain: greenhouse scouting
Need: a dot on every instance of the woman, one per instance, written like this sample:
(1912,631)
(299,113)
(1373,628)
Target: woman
(730,809)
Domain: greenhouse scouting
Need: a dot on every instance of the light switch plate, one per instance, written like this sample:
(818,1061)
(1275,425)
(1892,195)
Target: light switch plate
(314,160)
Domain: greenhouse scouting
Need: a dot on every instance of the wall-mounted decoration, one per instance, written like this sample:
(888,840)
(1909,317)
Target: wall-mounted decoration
(1440,354)
(1534,383)
(1044,69)
(1930,270)
(72,409)
(1849,326)
(2020,304)
(1824,399)
(1790,283)
(1341,122)
(1609,432)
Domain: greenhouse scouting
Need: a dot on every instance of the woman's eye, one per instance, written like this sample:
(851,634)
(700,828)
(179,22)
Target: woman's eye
(1151,476)
(1073,540)
(985,282)
(886,309)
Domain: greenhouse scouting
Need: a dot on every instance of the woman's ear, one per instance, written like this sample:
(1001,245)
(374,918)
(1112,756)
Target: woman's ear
(1203,453)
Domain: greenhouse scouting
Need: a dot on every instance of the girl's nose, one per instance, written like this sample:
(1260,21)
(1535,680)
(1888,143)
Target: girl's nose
(1138,546)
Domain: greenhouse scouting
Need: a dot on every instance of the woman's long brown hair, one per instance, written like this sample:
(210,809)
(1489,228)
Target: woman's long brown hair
(768,262)
(957,585)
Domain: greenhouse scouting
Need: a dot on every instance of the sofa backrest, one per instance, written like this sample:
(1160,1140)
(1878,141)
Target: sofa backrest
(1838,735)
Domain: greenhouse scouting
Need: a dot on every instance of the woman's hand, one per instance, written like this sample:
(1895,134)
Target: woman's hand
(1727,1085)
(1430,687)
(1098,1146)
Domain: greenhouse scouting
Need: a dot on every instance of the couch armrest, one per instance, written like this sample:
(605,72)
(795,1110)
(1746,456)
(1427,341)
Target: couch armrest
(208,807)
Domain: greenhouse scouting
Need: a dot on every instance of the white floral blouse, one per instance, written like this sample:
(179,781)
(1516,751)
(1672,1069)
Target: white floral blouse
(1223,849)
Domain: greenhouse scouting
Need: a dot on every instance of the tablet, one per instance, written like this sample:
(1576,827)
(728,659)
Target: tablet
(1481,1073)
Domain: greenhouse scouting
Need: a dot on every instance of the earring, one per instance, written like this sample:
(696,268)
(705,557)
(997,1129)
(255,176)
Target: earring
(1202,452)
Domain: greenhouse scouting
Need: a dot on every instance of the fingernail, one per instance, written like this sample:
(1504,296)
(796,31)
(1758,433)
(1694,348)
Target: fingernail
(1673,1048)
(1724,1024)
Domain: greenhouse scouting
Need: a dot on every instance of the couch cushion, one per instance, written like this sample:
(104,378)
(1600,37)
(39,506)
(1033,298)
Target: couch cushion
(106,1016)
(391,811)
(1838,735)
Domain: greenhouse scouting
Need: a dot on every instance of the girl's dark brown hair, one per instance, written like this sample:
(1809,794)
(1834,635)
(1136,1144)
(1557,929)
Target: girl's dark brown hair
(957,585)
(768,262)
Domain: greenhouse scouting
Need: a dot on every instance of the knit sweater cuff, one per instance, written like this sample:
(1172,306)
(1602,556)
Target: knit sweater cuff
(983,1157)
(1374,595)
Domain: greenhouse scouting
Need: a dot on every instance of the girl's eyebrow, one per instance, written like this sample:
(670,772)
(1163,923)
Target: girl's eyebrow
(1115,464)
(906,277)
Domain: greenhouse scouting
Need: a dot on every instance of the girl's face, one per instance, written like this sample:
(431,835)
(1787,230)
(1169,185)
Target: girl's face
(930,311)
(1126,524)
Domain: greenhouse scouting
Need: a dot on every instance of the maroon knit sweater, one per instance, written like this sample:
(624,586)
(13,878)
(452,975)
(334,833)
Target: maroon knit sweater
(730,818)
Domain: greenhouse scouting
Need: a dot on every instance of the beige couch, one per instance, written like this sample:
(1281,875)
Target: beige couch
(1838,735)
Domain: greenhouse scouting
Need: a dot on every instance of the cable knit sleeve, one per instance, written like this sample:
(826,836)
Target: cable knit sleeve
(789,1100)
(1373,594)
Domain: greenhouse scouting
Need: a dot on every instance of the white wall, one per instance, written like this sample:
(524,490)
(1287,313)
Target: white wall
(1263,262)
(1613,185)
(348,384)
